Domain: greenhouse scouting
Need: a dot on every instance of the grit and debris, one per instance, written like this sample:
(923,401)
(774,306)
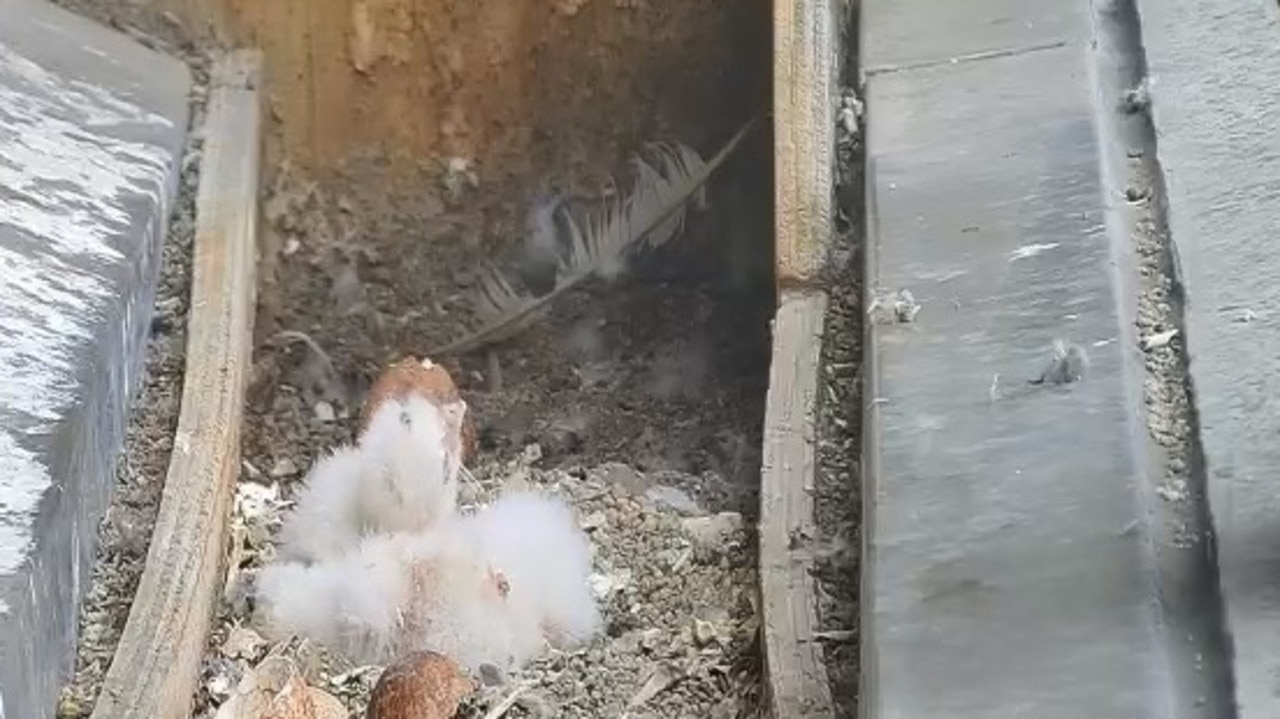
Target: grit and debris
(677,586)
(124,535)
(837,498)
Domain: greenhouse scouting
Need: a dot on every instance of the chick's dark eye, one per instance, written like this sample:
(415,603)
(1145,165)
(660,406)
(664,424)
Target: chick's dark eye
(404,419)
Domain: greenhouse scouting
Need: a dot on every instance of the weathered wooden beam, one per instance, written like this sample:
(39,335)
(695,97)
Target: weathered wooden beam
(155,670)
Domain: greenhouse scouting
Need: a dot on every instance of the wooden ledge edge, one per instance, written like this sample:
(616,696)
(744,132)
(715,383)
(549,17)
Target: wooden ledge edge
(156,667)
(795,672)
(806,38)
(805,79)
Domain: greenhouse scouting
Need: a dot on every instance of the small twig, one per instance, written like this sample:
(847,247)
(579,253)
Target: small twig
(495,373)
(501,708)
(836,635)
(470,478)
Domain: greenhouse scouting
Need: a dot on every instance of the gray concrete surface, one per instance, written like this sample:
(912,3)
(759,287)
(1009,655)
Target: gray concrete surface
(91,132)
(1008,566)
(1214,69)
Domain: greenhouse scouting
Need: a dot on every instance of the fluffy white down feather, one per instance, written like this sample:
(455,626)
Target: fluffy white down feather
(325,521)
(409,485)
(535,542)
(395,479)
(439,589)
(394,593)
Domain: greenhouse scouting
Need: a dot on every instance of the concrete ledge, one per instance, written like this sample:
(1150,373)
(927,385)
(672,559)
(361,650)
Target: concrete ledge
(92,127)
(1007,565)
(1214,70)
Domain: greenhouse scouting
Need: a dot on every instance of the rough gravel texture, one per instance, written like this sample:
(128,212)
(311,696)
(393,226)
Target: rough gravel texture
(677,585)
(1166,386)
(125,532)
(838,499)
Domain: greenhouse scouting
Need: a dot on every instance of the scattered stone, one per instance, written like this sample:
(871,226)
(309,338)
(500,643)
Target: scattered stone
(672,498)
(284,467)
(658,681)
(1158,340)
(714,533)
(324,411)
(605,584)
(624,476)
(1068,364)
(889,308)
(593,521)
(244,643)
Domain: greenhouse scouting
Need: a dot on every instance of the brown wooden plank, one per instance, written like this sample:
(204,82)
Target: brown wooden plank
(805,69)
(377,91)
(797,677)
(156,666)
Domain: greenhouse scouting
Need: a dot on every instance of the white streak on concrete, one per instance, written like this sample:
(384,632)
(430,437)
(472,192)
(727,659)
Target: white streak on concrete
(1031,250)
(46,309)
(67,179)
(25,481)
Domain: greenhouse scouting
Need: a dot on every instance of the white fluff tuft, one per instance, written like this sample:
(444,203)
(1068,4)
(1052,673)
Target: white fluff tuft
(534,540)
(325,521)
(394,593)
(408,483)
(396,479)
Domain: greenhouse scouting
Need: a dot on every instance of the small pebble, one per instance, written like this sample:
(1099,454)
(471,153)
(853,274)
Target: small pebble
(672,498)
(324,412)
(284,467)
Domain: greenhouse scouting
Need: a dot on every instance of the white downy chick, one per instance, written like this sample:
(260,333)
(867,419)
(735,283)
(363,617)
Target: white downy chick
(325,521)
(545,557)
(410,482)
(425,378)
(397,478)
(395,593)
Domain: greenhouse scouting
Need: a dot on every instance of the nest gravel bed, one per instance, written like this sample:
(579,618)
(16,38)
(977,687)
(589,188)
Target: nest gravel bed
(124,534)
(677,585)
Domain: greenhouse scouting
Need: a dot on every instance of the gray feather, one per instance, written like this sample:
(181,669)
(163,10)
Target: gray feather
(667,179)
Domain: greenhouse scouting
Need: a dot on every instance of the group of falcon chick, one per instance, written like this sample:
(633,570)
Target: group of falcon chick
(376,561)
